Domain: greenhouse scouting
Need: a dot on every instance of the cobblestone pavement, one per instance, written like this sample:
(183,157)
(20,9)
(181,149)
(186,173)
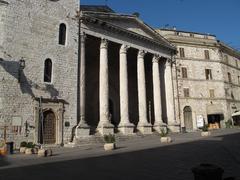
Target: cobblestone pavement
(142,158)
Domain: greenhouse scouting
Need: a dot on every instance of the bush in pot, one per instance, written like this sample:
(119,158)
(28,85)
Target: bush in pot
(110,142)
(164,138)
(205,131)
(23,147)
(29,148)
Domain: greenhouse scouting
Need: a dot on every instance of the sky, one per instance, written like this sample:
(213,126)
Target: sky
(218,17)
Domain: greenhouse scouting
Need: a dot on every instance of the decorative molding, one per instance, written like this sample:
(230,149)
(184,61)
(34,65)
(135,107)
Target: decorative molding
(141,54)
(124,48)
(104,43)
(155,58)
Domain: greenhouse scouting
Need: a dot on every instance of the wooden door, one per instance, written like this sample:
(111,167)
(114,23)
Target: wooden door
(187,111)
(49,128)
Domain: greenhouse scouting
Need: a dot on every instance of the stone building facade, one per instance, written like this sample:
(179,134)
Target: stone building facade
(67,73)
(206,79)
(38,71)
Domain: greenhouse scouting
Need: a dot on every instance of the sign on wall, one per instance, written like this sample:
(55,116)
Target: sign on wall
(17,121)
(200,121)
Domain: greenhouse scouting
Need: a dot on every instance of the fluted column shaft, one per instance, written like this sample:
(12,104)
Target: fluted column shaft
(103,84)
(142,100)
(169,92)
(82,81)
(157,90)
(123,76)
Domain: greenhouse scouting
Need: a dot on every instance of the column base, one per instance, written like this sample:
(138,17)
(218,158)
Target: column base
(82,130)
(145,128)
(126,129)
(159,127)
(105,129)
(174,127)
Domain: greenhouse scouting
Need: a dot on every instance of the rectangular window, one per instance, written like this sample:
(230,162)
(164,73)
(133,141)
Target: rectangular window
(182,54)
(208,73)
(229,77)
(206,53)
(186,92)
(184,72)
(211,93)
(225,58)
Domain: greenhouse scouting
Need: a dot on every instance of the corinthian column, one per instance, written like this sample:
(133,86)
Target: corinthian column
(172,124)
(143,124)
(104,126)
(157,93)
(125,126)
(83,128)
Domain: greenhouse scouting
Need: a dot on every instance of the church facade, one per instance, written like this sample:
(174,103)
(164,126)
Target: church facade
(68,74)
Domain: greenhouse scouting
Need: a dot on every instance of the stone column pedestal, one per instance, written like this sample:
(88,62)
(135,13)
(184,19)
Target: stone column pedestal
(160,126)
(174,127)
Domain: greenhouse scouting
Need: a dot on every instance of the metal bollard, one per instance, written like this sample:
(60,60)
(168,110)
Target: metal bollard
(207,172)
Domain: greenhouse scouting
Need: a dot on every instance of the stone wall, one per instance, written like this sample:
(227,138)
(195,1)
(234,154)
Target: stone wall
(31,31)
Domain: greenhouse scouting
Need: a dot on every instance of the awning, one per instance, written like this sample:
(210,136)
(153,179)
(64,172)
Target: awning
(214,109)
(236,113)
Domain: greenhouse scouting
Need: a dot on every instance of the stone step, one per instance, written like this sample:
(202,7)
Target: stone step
(98,139)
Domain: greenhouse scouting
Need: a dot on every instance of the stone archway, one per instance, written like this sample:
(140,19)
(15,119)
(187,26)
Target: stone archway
(187,114)
(49,127)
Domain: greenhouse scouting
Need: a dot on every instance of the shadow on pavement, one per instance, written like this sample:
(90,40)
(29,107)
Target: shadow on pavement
(166,163)
(3,161)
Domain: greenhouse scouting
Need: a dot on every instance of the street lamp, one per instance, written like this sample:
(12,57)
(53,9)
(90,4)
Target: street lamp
(21,67)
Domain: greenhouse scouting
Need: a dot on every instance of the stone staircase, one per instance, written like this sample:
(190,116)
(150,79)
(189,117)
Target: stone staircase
(97,139)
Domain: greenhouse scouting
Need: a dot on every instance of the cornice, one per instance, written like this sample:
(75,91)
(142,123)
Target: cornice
(85,18)
(3,2)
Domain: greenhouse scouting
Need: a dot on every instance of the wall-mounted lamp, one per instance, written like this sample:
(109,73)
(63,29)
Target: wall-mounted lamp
(21,67)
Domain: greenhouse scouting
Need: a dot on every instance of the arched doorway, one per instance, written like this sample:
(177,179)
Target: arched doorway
(187,113)
(49,127)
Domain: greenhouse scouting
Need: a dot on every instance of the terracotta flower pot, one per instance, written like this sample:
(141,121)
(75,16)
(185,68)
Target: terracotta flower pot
(165,139)
(22,149)
(28,151)
(109,146)
(205,133)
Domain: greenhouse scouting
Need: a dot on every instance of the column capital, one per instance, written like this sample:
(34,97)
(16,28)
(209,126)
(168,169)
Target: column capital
(124,48)
(168,62)
(141,53)
(104,43)
(155,58)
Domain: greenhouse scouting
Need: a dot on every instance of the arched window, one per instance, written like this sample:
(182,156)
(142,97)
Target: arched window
(62,34)
(48,70)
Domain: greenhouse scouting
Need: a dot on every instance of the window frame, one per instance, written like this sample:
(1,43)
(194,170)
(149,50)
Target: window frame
(184,72)
(186,92)
(62,34)
(208,74)
(44,71)
(182,52)
(206,54)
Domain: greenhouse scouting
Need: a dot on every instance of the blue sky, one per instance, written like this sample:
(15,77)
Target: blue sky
(218,17)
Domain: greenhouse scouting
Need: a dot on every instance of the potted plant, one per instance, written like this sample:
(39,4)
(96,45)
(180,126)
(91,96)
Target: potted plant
(109,142)
(164,138)
(29,148)
(205,131)
(23,145)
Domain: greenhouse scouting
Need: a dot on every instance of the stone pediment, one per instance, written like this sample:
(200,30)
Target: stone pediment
(132,24)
